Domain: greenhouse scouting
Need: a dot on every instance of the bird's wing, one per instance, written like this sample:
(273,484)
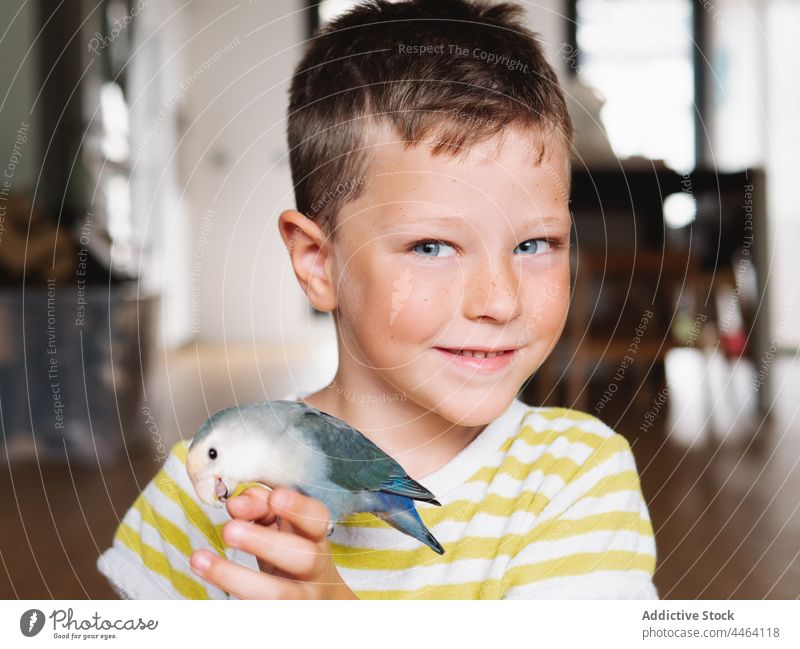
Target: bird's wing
(358,462)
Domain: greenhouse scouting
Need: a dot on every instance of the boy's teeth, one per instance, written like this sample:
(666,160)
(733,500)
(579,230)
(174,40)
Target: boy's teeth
(469,352)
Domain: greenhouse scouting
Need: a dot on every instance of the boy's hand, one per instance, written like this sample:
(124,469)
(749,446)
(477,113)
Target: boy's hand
(288,536)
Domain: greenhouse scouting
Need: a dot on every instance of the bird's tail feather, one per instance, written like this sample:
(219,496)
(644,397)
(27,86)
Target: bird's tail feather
(400,513)
(403,485)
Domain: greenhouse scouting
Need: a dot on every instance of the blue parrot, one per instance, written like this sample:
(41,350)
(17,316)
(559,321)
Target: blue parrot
(294,445)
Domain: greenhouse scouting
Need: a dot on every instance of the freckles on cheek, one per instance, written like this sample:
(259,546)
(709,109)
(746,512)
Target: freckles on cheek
(417,304)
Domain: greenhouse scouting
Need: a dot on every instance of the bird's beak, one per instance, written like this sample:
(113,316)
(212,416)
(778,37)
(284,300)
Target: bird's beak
(209,486)
(211,490)
(221,489)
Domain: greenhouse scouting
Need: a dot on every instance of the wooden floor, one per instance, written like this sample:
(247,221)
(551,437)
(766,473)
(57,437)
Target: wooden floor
(724,504)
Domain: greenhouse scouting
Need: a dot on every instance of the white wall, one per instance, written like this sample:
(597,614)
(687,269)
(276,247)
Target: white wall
(783,170)
(155,101)
(236,169)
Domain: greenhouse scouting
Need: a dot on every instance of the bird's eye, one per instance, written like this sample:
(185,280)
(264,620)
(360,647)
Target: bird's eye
(212,453)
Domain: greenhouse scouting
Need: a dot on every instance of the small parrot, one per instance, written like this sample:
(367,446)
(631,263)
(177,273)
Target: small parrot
(294,445)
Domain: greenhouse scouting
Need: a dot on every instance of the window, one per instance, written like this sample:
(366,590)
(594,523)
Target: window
(639,56)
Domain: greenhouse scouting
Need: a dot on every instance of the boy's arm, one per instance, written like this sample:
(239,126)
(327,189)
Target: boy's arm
(601,544)
(149,557)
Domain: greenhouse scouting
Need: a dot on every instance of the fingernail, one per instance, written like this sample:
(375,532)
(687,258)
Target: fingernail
(235,531)
(200,561)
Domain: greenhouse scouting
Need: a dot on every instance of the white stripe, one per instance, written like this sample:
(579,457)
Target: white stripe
(439,574)
(603,584)
(124,569)
(629,501)
(507,486)
(601,541)
(542,425)
(560,448)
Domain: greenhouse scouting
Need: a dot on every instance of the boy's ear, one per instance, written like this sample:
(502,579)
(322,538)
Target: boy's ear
(310,251)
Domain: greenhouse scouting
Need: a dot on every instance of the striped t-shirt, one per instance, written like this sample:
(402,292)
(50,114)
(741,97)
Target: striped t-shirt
(544,503)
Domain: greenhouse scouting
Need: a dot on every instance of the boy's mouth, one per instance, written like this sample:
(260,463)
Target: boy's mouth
(483,359)
(477,353)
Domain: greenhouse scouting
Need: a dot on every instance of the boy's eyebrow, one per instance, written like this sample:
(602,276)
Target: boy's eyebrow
(549,220)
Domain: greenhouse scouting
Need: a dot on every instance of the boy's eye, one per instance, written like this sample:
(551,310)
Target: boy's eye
(431,246)
(534,245)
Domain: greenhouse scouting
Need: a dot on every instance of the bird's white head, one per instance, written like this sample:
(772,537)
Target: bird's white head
(228,449)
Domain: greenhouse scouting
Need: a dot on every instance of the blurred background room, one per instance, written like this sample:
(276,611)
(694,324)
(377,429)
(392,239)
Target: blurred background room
(144,285)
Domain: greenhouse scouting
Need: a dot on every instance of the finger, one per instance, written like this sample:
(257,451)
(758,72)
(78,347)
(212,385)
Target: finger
(290,553)
(240,581)
(307,516)
(252,505)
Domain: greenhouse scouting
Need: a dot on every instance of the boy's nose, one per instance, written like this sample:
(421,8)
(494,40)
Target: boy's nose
(493,292)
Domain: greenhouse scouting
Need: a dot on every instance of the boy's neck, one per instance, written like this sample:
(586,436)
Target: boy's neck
(419,439)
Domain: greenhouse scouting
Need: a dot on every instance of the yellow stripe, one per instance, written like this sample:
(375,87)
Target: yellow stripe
(580,564)
(158,563)
(573,434)
(623,481)
(566,413)
(170,532)
(547,463)
(181,450)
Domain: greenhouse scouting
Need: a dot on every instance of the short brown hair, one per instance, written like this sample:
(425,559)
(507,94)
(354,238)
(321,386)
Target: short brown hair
(453,70)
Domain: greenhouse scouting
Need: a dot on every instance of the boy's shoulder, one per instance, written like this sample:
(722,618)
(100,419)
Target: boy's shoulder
(555,422)
(573,443)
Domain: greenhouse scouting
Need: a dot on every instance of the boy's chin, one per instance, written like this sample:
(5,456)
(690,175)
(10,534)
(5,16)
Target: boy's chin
(470,408)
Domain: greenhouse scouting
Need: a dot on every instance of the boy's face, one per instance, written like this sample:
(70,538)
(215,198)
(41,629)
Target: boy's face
(498,279)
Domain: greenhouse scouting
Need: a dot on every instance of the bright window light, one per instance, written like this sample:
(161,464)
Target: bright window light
(638,55)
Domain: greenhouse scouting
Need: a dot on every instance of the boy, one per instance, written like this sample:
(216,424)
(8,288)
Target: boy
(429,148)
